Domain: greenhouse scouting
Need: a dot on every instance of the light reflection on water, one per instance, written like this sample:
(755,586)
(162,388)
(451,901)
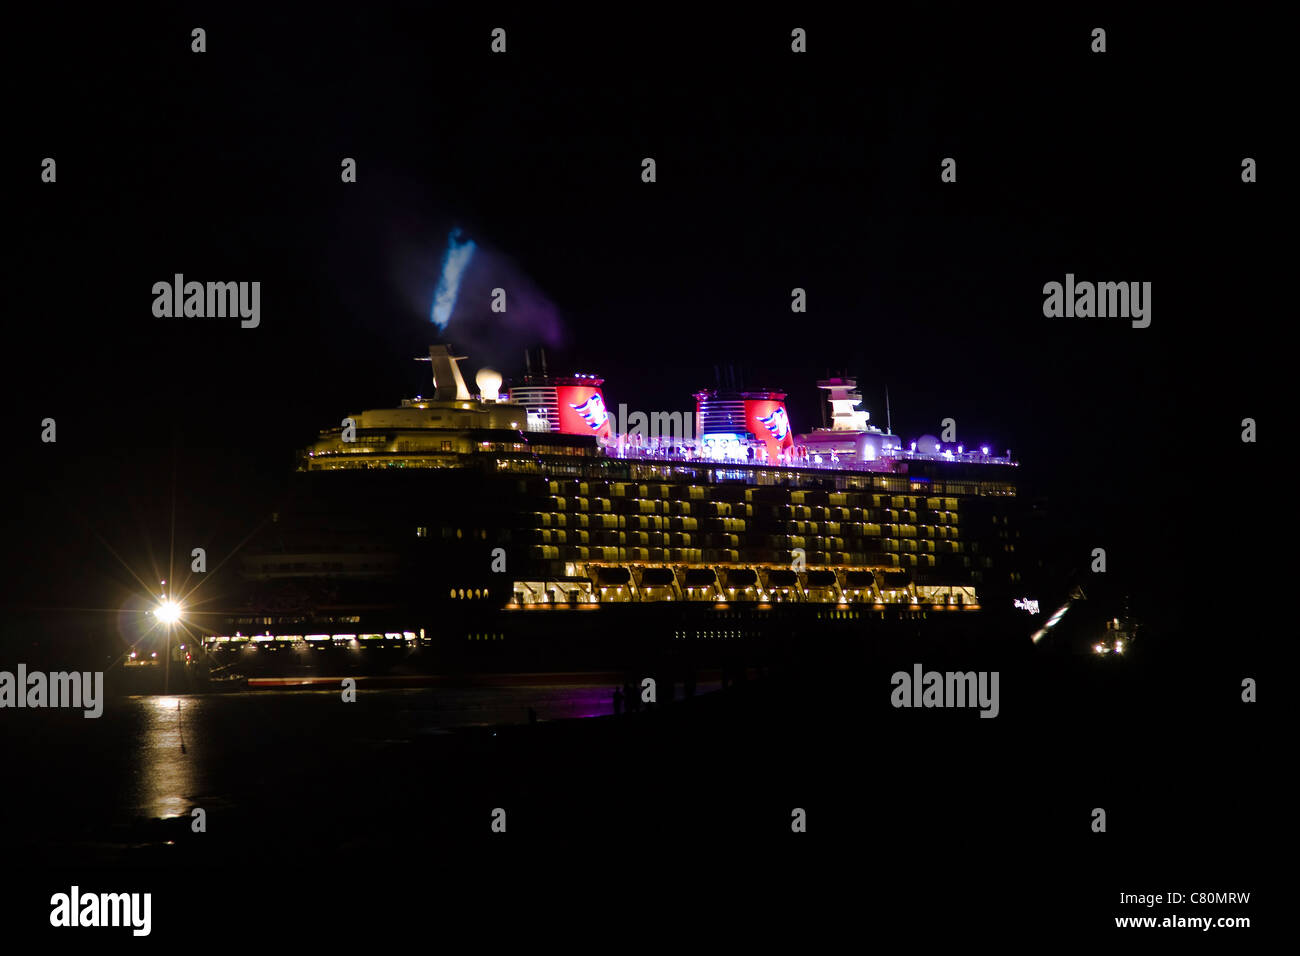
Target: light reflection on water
(164,774)
(235,740)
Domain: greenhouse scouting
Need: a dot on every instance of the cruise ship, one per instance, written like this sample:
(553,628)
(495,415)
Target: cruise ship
(536,528)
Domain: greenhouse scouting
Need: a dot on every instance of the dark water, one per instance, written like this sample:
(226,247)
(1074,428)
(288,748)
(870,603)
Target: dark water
(260,754)
(305,795)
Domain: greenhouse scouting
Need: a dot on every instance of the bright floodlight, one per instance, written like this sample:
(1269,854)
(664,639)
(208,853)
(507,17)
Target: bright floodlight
(169,612)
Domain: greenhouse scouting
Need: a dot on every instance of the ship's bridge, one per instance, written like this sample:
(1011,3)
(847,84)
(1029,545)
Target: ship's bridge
(428,434)
(423,414)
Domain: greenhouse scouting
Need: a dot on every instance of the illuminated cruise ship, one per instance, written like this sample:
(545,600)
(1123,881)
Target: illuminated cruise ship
(540,528)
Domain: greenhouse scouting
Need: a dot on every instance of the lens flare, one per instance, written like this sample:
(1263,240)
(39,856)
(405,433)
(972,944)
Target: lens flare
(1051,622)
(168,612)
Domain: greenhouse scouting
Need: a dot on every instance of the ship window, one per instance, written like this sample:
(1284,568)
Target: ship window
(462,593)
(422,532)
(446,446)
(453,594)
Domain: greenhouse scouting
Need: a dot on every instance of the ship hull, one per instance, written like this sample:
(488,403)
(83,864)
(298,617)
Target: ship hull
(677,641)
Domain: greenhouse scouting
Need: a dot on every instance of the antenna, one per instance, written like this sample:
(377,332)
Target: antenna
(528,362)
(889,427)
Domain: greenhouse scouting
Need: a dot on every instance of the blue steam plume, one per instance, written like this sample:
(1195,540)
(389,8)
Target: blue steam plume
(459,251)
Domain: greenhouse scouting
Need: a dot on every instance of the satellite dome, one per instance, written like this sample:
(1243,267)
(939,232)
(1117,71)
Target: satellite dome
(489,384)
(927,445)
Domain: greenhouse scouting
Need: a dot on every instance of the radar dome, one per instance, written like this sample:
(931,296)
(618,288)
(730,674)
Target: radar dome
(927,445)
(489,384)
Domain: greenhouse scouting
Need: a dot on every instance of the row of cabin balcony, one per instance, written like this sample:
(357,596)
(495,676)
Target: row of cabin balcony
(722,481)
(747,482)
(851,530)
(687,539)
(779,481)
(768,495)
(558,507)
(702,505)
(613,554)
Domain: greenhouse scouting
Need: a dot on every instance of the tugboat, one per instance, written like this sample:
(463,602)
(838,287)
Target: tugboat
(142,670)
(1118,637)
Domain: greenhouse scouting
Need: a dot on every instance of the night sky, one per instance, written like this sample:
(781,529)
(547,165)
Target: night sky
(774,171)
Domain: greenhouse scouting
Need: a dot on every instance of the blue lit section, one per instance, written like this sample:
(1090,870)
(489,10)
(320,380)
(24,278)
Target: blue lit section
(459,251)
(724,446)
